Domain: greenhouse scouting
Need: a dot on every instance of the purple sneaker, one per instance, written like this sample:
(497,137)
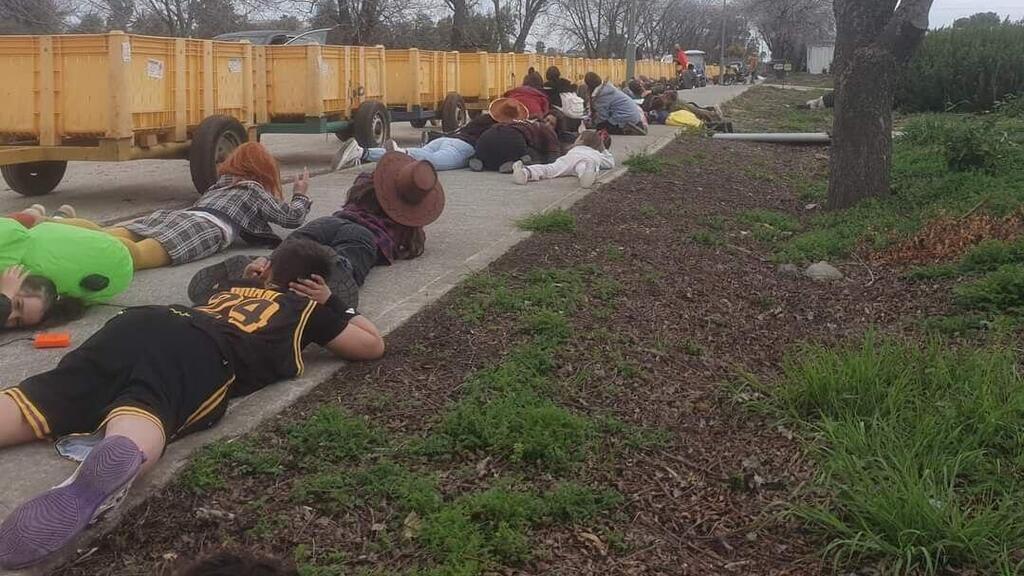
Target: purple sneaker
(51,520)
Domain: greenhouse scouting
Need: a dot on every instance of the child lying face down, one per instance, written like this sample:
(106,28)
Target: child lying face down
(154,374)
(584,160)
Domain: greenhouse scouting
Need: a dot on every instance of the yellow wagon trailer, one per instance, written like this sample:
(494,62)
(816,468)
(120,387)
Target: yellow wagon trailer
(116,97)
(423,86)
(316,89)
(482,78)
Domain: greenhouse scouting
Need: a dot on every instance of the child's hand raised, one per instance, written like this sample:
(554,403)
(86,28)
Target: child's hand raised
(11,280)
(314,288)
(301,185)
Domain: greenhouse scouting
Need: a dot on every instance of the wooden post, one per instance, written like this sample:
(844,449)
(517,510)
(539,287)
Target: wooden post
(47,94)
(346,79)
(414,97)
(208,80)
(259,64)
(180,92)
(119,59)
(314,81)
(248,108)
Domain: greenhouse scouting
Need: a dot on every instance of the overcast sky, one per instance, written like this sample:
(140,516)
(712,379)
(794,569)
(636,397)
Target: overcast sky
(945,11)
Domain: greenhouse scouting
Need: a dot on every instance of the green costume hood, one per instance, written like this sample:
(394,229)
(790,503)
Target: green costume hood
(87,264)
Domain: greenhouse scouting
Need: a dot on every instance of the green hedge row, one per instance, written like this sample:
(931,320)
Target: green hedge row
(965,69)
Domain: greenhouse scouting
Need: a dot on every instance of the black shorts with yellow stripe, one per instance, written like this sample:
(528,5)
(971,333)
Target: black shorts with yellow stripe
(150,362)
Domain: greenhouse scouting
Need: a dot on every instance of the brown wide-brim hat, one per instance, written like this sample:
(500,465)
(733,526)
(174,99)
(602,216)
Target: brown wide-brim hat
(508,110)
(408,189)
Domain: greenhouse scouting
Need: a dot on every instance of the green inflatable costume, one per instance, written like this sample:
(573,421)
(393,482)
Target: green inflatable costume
(86,264)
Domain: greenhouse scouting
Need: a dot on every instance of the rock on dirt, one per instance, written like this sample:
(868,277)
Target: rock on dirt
(823,272)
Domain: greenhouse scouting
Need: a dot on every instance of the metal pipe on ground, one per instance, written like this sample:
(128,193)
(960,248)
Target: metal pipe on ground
(777,137)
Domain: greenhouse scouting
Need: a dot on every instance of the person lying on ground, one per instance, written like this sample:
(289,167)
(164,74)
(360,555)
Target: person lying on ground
(381,221)
(827,100)
(242,204)
(52,272)
(154,374)
(445,152)
(612,109)
(584,160)
(526,141)
(531,94)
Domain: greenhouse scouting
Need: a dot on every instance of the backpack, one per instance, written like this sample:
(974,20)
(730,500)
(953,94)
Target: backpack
(573,106)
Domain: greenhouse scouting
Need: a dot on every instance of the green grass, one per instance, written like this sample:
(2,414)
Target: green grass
(555,220)
(708,238)
(206,470)
(331,436)
(923,188)
(644,163)
(801,79)
(921,454)
(999,292)
(770,109)
(768,226)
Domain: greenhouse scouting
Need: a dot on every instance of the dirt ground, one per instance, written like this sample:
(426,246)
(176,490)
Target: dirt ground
(698,308)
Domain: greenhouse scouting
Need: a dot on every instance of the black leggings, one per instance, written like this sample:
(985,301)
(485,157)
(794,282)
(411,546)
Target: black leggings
(355,246)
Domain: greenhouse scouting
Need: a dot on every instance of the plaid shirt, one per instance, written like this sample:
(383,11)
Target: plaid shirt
(242,204)
(392,239)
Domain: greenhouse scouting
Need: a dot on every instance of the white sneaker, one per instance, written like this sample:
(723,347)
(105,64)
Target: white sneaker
(589,175)
(350,154)
(519,174)
(391,146)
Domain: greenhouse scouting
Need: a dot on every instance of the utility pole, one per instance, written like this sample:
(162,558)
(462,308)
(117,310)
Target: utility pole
(631,18)
(721,51)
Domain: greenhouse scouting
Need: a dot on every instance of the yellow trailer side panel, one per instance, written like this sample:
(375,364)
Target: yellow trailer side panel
(111,86)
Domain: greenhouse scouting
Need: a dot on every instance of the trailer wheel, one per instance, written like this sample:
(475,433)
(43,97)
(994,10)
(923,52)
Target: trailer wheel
(214,140)
(34,178)
(453,113)
(372,124)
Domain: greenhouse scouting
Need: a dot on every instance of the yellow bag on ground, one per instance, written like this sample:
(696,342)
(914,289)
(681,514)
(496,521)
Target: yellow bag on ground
(683,118)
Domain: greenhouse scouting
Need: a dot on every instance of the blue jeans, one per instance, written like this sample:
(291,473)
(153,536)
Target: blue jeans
(443,153)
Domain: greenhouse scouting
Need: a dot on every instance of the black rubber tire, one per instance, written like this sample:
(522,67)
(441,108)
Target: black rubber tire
(418,123)
(372,124)
(453,113)
(34,178)
(212,142)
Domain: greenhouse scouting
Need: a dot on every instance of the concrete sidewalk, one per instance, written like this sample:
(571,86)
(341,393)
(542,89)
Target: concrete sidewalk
(478,225)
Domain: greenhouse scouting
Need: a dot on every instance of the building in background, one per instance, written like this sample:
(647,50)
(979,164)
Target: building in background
(819,58)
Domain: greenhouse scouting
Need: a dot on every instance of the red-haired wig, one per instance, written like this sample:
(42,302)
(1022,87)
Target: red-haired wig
(251,161)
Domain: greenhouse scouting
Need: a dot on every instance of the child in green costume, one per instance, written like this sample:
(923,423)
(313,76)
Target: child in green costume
(52,267)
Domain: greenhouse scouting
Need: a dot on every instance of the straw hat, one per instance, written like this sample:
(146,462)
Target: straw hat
(408,189)
(508,110)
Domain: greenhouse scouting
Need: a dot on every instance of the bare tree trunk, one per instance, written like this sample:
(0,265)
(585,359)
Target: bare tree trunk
(460,19)
(874,41)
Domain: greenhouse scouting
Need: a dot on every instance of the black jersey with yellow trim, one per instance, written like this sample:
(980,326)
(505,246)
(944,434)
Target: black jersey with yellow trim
(262,332)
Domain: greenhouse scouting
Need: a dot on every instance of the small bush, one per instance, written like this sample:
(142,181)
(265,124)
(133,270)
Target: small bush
(557,220)
(974,146)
